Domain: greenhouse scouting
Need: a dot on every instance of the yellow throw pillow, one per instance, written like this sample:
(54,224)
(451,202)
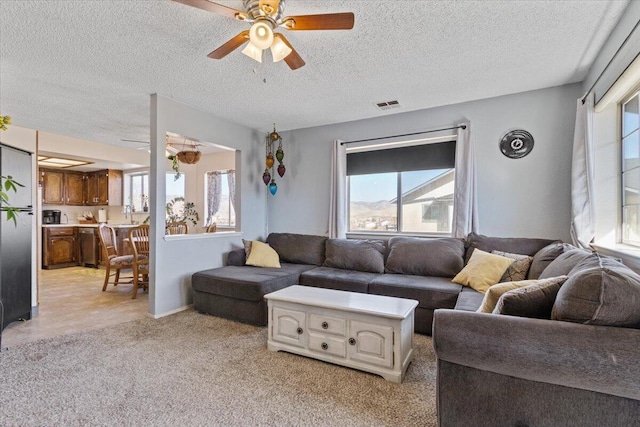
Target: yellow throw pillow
(263,255)
(482,270)
(494,293)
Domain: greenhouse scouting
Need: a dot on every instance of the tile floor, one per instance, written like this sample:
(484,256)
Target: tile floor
(71,300)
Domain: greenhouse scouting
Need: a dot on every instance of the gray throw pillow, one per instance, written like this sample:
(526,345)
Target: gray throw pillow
(546,256)
(514,245)
(425,257)
(565,262)
(358,255)
(534,301)
(608,295)
(298,248)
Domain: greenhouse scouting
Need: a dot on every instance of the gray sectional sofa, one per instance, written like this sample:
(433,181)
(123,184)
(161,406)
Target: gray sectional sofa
(579,369)
(403,267)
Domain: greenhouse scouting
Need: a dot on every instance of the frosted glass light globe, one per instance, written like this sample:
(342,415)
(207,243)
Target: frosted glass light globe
(261,35)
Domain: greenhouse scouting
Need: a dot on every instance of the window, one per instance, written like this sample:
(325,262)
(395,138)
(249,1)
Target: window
(136,191)
(402,190)
(631,171)
(219,194)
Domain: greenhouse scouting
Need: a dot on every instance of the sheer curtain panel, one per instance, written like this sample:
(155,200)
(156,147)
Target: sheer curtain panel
(338,196)
(582,167)
(214,194)
(465,206)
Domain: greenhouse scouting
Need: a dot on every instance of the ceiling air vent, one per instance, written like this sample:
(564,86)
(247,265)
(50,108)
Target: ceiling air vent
(388,105)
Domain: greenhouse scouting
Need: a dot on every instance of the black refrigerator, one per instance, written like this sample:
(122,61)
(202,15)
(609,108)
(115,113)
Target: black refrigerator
(15,239)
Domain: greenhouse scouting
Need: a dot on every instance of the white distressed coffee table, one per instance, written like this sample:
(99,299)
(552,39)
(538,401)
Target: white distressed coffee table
(368,332)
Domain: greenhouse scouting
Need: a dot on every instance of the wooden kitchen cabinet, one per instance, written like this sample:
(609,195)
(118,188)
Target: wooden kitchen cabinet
(100,188)
(74,188)
(52,187)
(104,188)
(60,247)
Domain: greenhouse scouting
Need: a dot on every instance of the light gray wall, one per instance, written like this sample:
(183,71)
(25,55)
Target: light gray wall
(175,258)
(528,197)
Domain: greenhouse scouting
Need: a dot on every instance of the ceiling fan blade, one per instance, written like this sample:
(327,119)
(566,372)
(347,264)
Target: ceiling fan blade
(269,7)
(329,21)
(215,8)
(230,46)
(293,60)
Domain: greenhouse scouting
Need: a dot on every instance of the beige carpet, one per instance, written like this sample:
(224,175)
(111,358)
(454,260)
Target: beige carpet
(192,369)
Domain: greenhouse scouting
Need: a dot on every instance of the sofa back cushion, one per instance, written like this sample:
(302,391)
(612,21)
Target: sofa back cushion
(298,248)
(358,255)
(565,262)
(546,256)
(514,245)
(600,291)
(425,257)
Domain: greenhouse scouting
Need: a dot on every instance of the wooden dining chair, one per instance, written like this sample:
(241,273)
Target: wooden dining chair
(139,241)
(212,228)
(177,227)
(114,260)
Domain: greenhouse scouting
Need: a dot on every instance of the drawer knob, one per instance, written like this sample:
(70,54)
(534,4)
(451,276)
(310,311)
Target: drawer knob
(324,345)
(325,325)
(352,341)
(299,331)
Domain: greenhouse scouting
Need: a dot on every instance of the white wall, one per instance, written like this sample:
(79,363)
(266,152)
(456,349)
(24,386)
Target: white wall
(175,258)
(528,197)
(27,140)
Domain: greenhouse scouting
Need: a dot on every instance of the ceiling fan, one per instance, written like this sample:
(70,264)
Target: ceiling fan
(265,16)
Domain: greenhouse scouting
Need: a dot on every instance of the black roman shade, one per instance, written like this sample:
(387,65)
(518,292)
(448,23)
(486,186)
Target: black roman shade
(440,155)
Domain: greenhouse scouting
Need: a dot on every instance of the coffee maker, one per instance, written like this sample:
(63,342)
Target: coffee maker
(50,216)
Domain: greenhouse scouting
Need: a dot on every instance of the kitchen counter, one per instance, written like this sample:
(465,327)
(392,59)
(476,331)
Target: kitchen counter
(88,225)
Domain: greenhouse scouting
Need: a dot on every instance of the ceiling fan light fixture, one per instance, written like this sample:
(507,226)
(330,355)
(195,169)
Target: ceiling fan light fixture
(253,52)
(279,50)
(261,35)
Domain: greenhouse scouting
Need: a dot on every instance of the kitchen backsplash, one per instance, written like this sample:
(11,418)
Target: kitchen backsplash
(115,214)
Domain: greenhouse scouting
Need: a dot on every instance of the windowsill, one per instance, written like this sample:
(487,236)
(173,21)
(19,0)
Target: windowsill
(630,255)
(388,234)
(218,234)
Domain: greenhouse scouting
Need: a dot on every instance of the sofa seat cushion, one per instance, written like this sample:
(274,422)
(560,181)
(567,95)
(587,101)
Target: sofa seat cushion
(246,282)
(336,278)
(298,248)
(430,292)
(469,299)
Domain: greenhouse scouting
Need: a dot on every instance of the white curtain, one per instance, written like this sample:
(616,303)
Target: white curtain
(214,194)
(338,196)
(465,206)
(231,179)
(582,166)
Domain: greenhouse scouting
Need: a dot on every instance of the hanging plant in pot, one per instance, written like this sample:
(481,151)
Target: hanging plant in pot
(190,153)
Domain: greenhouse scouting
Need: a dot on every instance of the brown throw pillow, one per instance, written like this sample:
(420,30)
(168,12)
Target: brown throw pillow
(518,269)
(535,300)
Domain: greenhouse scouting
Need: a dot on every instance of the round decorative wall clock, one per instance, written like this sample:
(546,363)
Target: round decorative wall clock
(516,144)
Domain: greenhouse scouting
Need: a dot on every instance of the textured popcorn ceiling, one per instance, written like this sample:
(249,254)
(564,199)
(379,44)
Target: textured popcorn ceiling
(86,68)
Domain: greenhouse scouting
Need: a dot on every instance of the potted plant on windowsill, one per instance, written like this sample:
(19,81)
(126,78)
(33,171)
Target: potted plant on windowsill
(179,210)
(7,183)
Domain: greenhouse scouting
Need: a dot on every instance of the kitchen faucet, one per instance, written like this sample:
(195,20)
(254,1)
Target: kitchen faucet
(127,209)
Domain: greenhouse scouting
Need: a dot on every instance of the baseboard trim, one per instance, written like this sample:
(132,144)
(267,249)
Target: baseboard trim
(169,313)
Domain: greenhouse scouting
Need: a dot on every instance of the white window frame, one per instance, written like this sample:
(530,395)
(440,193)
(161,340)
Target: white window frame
(622,222)
(398,232)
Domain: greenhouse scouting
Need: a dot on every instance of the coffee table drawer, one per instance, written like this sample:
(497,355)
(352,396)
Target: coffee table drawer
(331,325)
(327,345)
